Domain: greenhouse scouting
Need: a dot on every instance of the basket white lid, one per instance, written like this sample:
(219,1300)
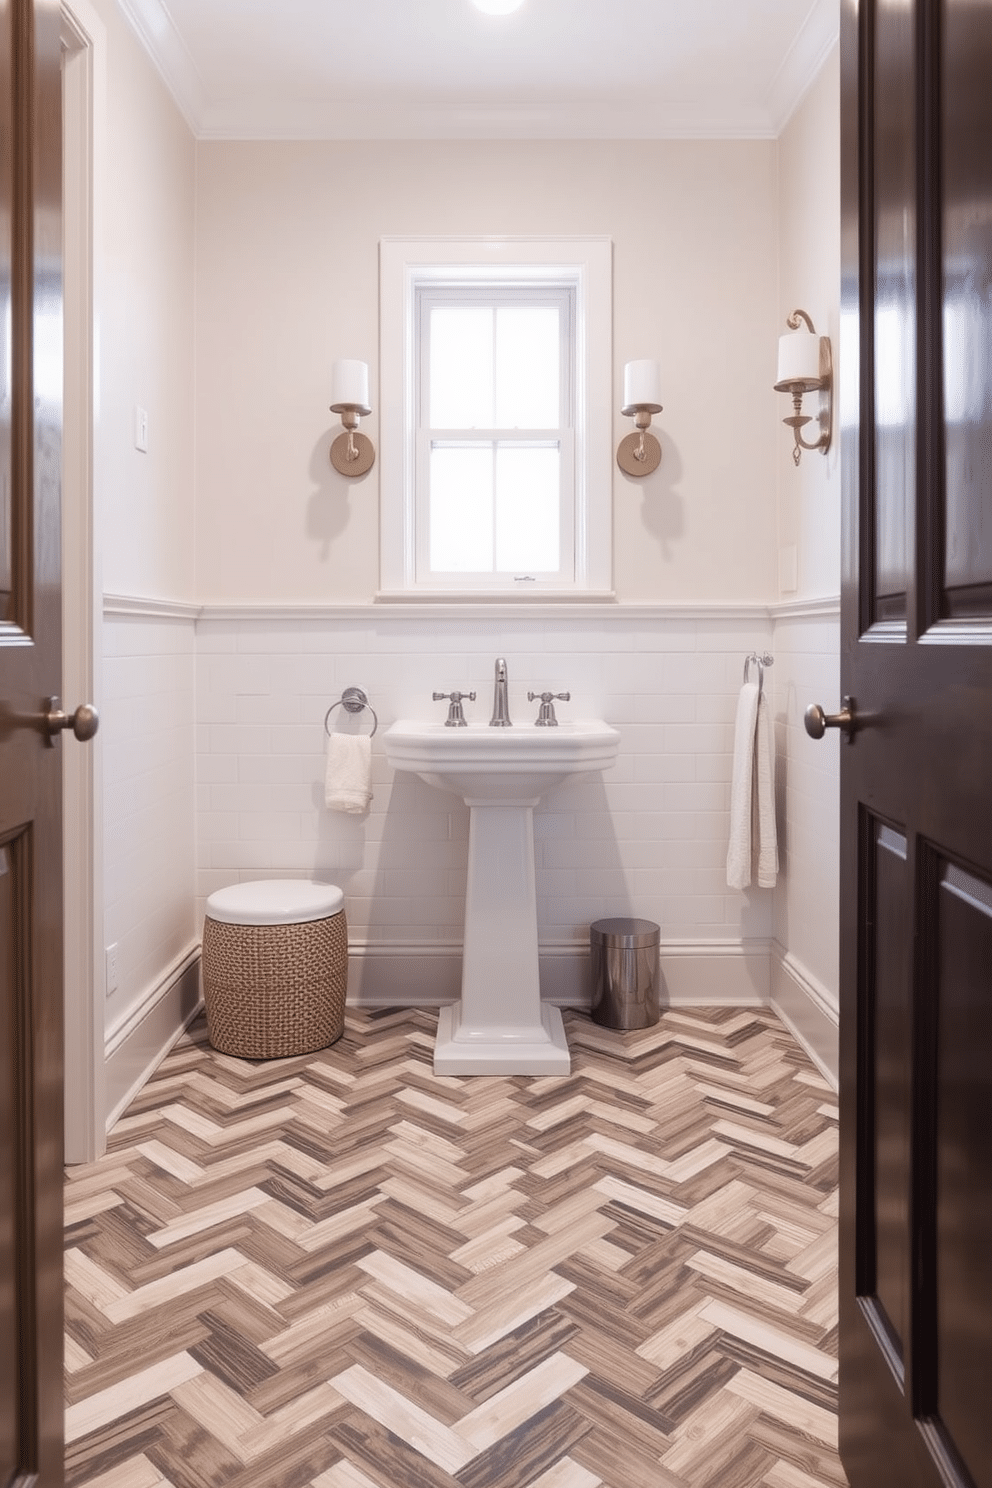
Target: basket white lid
(275,901)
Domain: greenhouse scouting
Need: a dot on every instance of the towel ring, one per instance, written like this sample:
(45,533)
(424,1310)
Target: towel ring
(760,662)
(353,700)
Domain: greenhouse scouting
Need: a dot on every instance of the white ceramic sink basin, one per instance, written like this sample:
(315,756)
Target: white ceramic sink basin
(500,1026)
(484,764)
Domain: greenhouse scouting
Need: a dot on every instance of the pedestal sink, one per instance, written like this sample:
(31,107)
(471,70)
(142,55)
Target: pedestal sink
(500,1026)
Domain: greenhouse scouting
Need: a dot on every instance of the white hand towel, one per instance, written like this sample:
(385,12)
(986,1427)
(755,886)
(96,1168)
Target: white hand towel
(741,788)
(752,794)
(348,778)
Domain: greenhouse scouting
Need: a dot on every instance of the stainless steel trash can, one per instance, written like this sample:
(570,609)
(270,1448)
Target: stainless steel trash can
(625,973)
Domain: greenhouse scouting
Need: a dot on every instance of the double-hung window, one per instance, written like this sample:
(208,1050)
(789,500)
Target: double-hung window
(495,419)
(495,433)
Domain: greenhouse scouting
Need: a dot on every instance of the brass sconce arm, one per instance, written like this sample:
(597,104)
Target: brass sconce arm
(798,420)
(793,321)
(351,453)
(641,447)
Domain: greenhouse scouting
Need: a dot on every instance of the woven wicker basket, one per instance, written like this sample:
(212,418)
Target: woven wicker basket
(275,990)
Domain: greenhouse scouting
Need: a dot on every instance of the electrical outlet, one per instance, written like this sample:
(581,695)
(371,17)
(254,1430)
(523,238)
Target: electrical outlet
(112,975)
(141,429)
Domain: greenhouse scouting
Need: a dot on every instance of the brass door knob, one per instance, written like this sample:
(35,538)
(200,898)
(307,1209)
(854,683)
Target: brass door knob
(817,722)
(84,722)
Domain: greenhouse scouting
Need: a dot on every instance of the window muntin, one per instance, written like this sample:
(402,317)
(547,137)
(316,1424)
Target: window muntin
(496,360)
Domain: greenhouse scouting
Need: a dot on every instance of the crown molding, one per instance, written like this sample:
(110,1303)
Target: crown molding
(161,39)
(156,30)
(803,62)
(565,125)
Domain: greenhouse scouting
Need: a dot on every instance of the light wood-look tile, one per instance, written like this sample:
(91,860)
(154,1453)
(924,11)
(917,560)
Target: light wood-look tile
(341,1272)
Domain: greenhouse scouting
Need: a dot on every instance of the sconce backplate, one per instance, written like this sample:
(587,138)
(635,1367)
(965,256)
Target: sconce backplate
(627,451)
(364,459)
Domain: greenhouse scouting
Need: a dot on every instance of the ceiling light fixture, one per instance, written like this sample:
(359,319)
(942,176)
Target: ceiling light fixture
(497,7)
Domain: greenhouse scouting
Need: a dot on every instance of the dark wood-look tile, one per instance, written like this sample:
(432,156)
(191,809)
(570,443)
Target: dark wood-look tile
(529,1451)
(386,1458)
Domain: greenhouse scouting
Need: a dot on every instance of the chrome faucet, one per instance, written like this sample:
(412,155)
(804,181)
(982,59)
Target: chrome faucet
(501,706)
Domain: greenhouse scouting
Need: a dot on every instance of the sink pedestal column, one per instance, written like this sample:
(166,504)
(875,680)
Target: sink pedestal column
(500,1026)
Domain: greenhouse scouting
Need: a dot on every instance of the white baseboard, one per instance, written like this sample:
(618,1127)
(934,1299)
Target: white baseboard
(694,973)
(808,1010)
(403,975)
(709,973)
(138,1042)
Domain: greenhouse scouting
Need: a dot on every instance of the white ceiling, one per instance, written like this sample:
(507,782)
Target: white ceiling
(440,69)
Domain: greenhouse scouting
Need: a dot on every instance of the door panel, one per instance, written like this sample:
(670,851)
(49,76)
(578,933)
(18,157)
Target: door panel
(895,307)
(916,804)
(966,166)
(886,1284)
(6,207)
(963,1279)
(30,766)
(10,998)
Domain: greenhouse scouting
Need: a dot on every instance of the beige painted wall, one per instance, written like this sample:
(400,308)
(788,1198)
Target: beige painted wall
(287,280)
(146,179)
(808,647)
(809,276)
(144,182)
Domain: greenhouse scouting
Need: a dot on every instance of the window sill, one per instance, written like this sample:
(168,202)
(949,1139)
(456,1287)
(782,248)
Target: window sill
(497,597)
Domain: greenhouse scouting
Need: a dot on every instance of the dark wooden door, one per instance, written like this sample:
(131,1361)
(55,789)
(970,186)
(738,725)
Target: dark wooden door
(916,774)
(30,770)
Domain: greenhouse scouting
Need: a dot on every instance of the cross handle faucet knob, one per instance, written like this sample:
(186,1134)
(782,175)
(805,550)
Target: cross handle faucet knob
(456,717)
(546,715)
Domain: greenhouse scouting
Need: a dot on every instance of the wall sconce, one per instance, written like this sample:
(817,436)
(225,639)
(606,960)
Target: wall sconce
(639,454)
(351,453)
(806,366)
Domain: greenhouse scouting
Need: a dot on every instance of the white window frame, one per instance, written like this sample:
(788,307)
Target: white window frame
(583,265)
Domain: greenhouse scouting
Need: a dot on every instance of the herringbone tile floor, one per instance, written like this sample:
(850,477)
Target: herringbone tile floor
(339,1271)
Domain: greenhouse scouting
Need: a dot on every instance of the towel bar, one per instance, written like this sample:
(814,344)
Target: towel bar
(353,700)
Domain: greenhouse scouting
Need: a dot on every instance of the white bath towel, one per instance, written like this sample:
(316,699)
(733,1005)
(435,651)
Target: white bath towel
(348,778)
(752,795)
(764,765)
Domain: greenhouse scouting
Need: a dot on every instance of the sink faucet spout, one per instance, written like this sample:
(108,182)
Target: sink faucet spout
(501,706)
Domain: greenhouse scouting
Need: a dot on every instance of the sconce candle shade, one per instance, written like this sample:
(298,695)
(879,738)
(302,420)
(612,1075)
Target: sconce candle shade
(350,387)
(798,361)
(641,387)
